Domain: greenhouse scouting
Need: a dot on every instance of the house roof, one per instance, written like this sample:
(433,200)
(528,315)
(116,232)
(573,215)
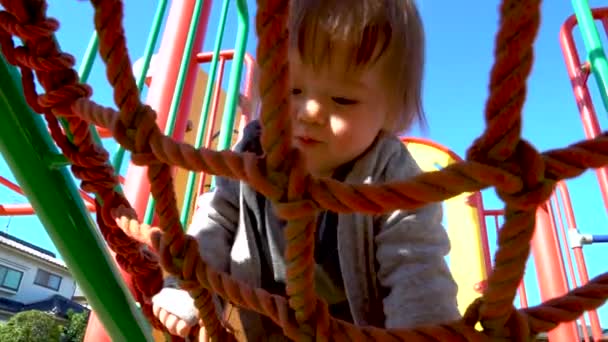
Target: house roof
(56,304)
(30,249)
(10,305)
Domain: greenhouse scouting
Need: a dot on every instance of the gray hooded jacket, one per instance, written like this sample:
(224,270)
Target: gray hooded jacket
(391,271)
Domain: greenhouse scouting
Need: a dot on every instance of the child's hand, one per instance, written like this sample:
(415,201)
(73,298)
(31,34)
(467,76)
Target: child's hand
(246,105)
(176,311)
(175,325)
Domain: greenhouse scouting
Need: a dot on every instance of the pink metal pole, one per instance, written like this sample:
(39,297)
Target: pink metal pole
(552,279)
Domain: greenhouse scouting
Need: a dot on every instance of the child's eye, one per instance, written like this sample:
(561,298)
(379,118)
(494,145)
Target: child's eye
(296,91)
(344,101)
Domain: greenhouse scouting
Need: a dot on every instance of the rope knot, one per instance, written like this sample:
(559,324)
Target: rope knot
(527,164)
(323,321)
(293,204)
(472,315)
(515,328)
(133,131)
(46,27)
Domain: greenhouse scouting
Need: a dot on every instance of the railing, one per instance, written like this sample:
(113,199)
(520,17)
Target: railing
(559,261)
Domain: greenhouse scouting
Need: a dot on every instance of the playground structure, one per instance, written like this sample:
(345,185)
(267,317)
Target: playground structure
(174,79)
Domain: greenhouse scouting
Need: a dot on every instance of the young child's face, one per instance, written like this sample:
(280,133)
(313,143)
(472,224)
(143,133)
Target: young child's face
(336,113)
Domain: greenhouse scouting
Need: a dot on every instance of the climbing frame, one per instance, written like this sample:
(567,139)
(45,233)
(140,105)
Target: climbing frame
(523,178)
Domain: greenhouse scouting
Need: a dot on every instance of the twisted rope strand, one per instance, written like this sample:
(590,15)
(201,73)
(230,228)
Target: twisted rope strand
(410,194)
(501,141)
(272,51)
(136,118)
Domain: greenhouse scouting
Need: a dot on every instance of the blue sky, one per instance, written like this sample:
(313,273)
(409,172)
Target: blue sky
(460,43)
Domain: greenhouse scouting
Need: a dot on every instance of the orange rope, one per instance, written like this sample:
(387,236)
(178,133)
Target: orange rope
(523,177)
(271,24)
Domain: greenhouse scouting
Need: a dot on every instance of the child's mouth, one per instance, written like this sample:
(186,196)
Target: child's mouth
(307,141)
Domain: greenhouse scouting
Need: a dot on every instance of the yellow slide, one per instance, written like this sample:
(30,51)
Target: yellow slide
(462,221)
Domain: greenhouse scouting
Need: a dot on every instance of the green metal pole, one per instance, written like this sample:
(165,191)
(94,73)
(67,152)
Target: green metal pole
(89,58)
(593,45)
(177,94)
(202,126)
(161,8)
(234,84)
(84,73)
(225,137)
(25,146)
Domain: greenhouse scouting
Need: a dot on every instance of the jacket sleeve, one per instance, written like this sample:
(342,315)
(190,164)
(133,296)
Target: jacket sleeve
(410,251)
(215,222)
(213,226)
(216,219)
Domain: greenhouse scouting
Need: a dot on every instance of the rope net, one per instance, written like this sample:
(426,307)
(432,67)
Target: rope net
(523,178)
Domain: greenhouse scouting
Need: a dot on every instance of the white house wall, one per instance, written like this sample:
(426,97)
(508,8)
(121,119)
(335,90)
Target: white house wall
(28,291)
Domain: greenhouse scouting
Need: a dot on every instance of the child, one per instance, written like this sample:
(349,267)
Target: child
(356,69)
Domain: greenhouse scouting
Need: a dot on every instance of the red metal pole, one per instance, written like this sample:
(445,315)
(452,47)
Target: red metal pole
(581,265)
(558,222)
(215,101)
(521,290)
(206,57)
(485,243)
(167,65)
(245,117)
(552,279)
(168,61)
(592,129)
(578,78)
(15,187)
(26,209)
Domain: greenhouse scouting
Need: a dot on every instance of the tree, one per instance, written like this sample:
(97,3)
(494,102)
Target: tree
(31,326)
(76,327)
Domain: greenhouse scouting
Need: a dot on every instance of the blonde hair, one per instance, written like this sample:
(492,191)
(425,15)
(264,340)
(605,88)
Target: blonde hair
(387,30)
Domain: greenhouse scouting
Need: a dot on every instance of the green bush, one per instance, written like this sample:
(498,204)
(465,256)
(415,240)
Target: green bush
(31,326)
(76,327)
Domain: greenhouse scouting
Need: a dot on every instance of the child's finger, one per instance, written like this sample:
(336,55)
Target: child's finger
(171,322)
(181,327)
(174,324)
(156,309)
(202,335)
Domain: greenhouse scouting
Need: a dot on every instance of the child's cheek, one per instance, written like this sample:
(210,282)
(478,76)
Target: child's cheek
(339,126)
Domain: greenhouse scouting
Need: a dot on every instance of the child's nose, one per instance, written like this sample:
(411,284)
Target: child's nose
(311,112)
